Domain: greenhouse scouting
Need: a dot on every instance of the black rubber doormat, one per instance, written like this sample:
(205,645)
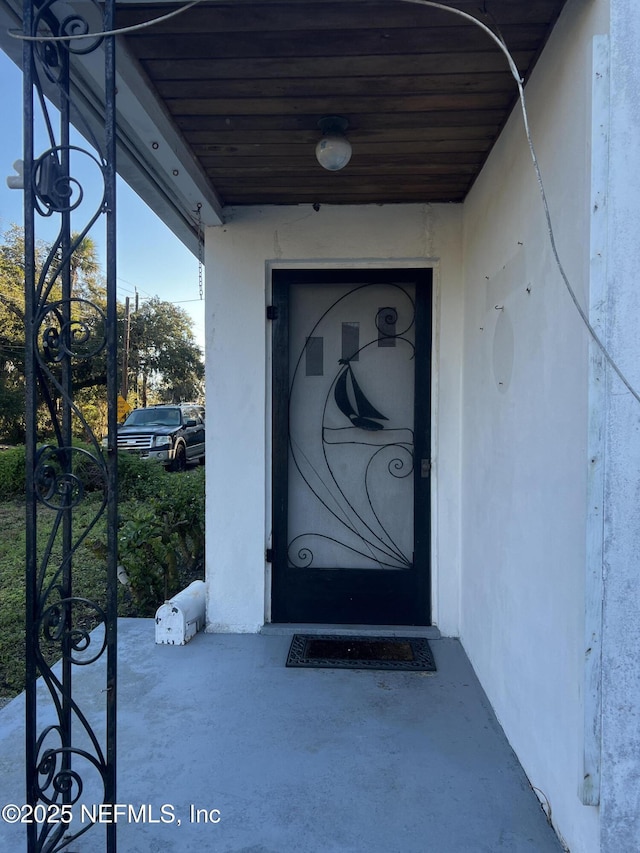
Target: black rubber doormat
(339,652)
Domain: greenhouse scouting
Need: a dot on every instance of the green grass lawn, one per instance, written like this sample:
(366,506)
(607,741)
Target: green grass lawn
(161,527)
(12,551)
(88,578)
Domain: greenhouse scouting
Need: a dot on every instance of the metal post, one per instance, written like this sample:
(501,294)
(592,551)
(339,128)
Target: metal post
(30,417)
(71,762)
(112,413)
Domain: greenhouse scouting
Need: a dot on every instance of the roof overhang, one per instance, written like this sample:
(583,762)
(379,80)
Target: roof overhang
(152,156)
(220,105)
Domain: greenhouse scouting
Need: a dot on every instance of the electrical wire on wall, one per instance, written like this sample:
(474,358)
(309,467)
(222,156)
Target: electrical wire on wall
(523,106)
(519,80)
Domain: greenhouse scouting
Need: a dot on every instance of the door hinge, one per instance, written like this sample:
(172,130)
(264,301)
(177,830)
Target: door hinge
(272,312)
(268,555)
(425,467)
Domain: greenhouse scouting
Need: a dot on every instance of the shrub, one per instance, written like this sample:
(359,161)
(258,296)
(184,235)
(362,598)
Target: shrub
(139,479)
(88,471)
(161,540)
(13,462)
(161,533)
(12,472)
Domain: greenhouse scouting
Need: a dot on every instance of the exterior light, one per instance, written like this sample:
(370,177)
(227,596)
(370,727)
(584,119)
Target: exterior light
(334,149)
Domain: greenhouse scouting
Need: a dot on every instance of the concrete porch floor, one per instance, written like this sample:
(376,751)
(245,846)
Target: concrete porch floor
(297,760)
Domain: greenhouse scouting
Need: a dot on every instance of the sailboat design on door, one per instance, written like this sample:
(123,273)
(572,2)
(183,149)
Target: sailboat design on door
(351,464)
(361,413)
(351,437)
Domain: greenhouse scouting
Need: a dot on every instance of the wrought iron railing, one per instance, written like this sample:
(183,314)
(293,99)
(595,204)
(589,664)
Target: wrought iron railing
(70,749)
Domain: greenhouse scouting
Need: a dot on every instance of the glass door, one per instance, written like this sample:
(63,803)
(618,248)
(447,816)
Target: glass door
(351,446)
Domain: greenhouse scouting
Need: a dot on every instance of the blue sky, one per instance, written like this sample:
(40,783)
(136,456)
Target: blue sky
(149,257)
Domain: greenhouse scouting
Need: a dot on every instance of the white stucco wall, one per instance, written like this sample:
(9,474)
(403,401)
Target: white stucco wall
(525,407)
(239,257)
(510,423)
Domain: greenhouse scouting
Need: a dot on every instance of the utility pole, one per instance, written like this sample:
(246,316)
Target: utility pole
(125,354)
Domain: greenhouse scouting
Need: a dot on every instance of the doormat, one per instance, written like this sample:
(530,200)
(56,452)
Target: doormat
(339,652)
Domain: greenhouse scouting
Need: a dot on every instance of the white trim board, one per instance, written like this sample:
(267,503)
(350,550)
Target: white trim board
(594,587)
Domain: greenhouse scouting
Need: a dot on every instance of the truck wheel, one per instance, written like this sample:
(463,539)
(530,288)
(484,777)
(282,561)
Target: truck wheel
(180,459)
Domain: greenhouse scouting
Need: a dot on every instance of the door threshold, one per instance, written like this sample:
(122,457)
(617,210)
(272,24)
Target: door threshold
(430,632)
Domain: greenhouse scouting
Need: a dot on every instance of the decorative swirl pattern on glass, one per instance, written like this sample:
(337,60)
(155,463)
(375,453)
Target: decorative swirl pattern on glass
(351,440)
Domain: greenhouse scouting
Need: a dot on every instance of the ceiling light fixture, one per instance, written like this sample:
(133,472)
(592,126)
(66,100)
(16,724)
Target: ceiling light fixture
(334,149)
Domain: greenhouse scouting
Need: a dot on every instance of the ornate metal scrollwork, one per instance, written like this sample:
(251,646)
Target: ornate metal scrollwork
(62,333)
(358,522)
(71,761)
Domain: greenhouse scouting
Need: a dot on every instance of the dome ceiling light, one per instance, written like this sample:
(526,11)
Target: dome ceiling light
(333,149)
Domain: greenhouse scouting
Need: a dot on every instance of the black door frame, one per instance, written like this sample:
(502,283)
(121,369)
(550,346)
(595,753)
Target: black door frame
(357,596)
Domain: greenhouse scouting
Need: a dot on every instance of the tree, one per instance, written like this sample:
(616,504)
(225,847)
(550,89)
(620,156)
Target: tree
(164,357)
(165,361)
(86,277)
(12,422)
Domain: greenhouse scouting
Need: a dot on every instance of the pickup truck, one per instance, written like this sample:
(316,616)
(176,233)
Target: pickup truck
(170,434)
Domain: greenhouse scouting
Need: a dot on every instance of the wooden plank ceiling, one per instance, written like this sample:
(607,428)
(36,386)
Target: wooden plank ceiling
(424,91)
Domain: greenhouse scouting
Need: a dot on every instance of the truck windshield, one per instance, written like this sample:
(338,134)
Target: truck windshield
(154,417)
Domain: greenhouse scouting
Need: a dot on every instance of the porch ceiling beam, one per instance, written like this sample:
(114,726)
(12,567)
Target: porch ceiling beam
(341,67)
(288,14)
(168,177)
(232,91)
(146,124)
